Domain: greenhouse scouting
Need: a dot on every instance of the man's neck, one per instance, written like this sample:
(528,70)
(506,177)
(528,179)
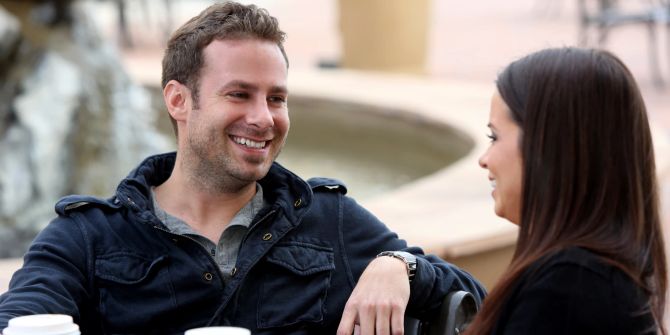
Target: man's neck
(206,211)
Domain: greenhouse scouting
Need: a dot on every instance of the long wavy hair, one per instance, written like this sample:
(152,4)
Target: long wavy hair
(589,177)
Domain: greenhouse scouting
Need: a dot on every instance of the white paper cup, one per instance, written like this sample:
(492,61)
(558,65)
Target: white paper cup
(42,324)
(218,331)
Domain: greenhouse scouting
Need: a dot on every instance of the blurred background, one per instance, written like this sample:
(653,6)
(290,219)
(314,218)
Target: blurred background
(80,101)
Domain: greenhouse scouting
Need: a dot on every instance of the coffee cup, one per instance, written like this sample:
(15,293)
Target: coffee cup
(218,331)
(42,324)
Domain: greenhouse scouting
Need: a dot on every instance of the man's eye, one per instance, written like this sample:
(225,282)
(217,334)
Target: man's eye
(492,137)
(277,99)
(238,95)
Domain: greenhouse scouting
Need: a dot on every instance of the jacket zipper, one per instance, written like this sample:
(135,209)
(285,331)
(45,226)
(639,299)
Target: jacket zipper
(235,295)
(176,237)
(209,255)
(255,224)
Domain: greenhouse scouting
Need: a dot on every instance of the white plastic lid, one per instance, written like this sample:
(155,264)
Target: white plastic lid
(218,331)
(42,324)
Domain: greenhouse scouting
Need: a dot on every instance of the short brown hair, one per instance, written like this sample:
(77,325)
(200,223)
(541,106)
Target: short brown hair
(183,56)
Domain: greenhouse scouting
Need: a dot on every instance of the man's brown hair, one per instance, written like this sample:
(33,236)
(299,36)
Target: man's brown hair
(183,58)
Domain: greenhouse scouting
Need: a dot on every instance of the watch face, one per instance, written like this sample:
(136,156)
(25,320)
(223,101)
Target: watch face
(409,258)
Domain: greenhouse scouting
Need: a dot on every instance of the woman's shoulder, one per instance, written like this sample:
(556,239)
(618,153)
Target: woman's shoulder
(573,259)
(581,269)
(578,288)
(576,260)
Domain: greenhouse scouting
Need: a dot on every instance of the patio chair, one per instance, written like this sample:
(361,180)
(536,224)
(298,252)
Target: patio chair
(608,14)
(457,311)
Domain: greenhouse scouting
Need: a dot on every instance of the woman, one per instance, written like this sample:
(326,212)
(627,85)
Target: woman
(571,162)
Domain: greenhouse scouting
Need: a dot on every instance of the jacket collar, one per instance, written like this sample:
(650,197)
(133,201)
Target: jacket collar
(281,187)
(287,191)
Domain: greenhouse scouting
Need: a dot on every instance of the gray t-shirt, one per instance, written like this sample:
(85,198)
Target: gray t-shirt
(225,252)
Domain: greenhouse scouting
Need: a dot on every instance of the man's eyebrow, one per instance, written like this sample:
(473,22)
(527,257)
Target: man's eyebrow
(239,84)
(279,90)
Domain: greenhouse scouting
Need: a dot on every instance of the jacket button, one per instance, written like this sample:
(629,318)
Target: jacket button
(267,237)
(297,203)
(207,276)
(233,272)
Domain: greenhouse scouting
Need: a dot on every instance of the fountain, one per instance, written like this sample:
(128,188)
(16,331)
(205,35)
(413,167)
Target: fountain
(71,121)
(373,150)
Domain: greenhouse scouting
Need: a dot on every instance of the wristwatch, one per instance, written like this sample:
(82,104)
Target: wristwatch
(409,259)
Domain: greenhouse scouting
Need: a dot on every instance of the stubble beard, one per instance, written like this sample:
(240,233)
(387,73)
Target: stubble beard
(211,167)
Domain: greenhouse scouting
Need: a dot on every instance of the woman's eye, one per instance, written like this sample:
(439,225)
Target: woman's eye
(492,137)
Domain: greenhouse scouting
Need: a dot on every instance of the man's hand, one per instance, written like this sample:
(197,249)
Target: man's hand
(377,304)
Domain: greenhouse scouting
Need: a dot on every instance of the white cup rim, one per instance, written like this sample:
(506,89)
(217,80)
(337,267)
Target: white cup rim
(218,330)
(51,324)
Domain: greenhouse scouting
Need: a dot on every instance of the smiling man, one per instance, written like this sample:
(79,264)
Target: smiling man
(218,233)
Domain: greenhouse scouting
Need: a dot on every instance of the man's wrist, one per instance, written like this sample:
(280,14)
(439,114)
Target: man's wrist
(406,257)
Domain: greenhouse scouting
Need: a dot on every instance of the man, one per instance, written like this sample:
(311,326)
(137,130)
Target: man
(219,234)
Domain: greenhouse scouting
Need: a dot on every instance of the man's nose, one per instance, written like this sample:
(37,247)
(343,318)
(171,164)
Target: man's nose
(260,115)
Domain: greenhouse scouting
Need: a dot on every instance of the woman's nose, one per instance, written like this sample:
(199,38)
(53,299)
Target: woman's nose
(482,160)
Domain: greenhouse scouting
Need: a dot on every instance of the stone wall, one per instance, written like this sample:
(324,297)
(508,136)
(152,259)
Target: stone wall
(71,121)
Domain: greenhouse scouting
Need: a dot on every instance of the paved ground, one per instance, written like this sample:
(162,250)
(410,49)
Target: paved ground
(469,41)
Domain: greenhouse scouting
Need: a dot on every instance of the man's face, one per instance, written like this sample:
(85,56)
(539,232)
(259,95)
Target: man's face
(242,120)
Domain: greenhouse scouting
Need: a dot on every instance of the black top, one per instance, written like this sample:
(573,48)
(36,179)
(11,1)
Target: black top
(575,292)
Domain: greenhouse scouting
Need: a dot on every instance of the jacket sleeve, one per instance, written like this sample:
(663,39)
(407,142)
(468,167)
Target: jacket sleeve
(364,236)
(52,278)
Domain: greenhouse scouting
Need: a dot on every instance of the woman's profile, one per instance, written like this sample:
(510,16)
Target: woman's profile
(571,162)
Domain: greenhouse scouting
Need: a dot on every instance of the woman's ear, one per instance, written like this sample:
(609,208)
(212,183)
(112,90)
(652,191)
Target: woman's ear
(177,99)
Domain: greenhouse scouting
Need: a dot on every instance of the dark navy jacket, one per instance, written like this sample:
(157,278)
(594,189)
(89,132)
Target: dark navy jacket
(115,268)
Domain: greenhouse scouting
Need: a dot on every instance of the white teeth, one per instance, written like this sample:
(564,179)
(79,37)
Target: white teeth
(249,143)
(493,183)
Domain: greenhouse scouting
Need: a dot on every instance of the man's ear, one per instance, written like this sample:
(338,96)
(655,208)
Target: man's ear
(177,99)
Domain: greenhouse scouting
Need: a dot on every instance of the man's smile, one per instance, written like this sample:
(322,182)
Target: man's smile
(248,142)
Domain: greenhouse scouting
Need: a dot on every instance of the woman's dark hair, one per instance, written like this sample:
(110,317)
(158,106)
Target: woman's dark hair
(589,176)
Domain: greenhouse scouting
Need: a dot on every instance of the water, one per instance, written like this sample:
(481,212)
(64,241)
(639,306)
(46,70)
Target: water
(371,149)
